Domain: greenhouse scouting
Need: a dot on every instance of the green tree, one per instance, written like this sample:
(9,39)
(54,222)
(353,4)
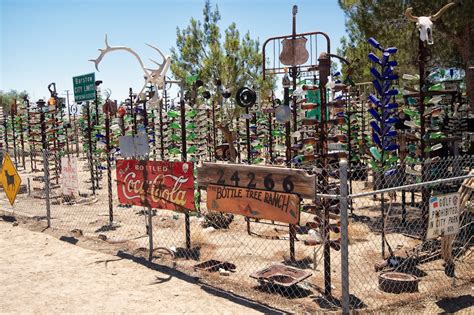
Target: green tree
(203,51)
(6,99)
(385,21)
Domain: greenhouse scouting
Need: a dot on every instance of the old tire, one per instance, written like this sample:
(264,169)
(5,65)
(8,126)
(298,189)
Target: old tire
(398,282)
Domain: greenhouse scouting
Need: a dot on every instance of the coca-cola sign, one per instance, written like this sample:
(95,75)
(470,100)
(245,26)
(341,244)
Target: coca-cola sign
(170,184)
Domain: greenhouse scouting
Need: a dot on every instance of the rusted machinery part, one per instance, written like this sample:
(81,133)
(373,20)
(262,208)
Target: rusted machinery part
(398,282)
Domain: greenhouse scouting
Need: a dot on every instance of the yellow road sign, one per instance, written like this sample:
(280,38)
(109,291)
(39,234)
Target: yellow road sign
(10,179)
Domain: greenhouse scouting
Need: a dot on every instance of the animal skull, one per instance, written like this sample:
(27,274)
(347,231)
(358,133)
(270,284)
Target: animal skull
(425,23)
(425,27)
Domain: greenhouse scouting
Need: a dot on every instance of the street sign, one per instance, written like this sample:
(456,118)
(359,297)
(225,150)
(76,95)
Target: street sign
(443,215)
(10,179)
(269,178)
(84,87)
(254,203)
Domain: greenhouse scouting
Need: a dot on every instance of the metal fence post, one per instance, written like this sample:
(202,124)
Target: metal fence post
(344,237)
(46,186)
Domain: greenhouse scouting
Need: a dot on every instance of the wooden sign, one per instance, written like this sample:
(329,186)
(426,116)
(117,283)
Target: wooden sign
(254,203)
(269,178)
(170,184)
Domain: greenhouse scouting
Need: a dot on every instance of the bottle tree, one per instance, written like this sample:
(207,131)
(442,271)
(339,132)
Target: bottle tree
(384,149)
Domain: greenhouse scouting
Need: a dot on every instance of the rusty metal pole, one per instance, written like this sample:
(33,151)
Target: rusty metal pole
(89,142)
(12,116)
(293,74)
(424,192)
(162,140)
(184,158)
(22,143)
(343,166)
(249,156)
(109,166)
(324,70)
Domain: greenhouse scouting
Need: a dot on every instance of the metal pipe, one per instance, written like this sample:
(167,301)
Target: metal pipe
(184,158)
(343,166)
(89,140)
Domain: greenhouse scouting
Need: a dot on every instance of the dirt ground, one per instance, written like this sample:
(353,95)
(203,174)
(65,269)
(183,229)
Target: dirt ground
(85,222)
(41,274)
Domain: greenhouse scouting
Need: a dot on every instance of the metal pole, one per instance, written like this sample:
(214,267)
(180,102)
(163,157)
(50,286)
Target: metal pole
(69,120)
(162,140)
(41,105)
(324,70)
(149,212)
(46,186)
(184,158)
(12,115)
(344,237)
(214,129)
(132,111)
(424,192)
(109,166)
(249,155)
(270,137)
(29,134)
(22,143)
(89,139)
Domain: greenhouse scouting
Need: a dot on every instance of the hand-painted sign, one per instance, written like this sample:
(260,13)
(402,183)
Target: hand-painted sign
(255,203)
(10,179)
(258,177)
(69,180)
(170,184)
(443,216)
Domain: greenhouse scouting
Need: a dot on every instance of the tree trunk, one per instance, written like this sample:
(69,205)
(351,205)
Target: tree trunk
(229,138)
(466,47)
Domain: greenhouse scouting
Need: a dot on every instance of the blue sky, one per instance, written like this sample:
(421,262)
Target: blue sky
(44,41)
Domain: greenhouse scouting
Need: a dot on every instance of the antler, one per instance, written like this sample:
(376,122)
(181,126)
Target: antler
(102,54)
(159,51)
(410,16)
(441,11)
(108,48)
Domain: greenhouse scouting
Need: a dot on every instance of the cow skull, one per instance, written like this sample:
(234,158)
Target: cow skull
(425,23)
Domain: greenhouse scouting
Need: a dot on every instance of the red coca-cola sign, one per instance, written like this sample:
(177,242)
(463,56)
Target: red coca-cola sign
(170,184)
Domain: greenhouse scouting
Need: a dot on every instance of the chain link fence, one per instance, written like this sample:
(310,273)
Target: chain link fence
(357,228)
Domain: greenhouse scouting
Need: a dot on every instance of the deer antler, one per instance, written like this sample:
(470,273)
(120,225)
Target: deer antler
(159,51)
(441,11)
(153,76)
(410,16)
(109,48)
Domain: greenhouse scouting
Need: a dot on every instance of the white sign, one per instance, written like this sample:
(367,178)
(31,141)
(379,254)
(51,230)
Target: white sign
(444,216)
(69,181)
(133,146)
